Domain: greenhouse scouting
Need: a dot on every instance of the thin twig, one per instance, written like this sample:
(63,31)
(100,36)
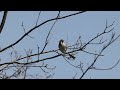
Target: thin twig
(106,68)
(38,18)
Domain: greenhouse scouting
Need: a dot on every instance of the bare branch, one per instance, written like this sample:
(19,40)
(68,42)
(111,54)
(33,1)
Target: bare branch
(25,31)
(3,21)
(106,68)
(74,76)
(38,18)
(91,53)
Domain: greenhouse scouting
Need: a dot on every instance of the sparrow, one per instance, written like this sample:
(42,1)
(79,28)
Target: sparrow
(63,48)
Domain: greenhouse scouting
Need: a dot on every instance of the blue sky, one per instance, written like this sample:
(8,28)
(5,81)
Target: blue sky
(86,25)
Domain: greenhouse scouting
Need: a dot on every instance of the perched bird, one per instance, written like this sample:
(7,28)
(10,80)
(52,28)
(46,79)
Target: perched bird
(63,48)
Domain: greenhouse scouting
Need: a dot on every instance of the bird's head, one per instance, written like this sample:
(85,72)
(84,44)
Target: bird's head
(61,41)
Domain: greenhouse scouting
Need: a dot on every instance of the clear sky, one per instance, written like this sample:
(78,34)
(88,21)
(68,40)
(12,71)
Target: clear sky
(86,25)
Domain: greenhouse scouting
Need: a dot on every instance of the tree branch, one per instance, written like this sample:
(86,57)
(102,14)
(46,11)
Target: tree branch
(3,20)
(106,68)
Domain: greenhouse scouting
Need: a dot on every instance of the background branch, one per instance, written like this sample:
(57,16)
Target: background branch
(3,20)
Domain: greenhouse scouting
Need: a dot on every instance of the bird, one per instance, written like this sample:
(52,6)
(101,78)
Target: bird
(63,48)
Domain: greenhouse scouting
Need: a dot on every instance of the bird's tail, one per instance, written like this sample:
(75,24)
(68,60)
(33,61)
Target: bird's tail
(72,56)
